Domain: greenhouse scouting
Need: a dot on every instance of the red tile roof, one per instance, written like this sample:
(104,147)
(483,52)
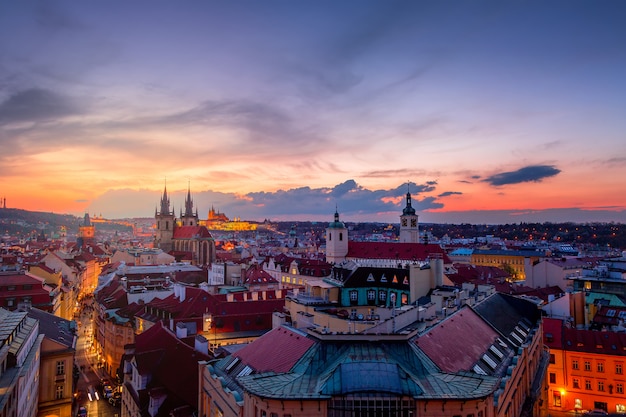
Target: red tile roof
(394,250)
(256,275)
(593,341)
(173,363)
(553,332)
(190,232)
(458,342)
(262,355)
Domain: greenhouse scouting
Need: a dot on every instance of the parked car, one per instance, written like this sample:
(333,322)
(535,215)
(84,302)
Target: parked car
(108,391)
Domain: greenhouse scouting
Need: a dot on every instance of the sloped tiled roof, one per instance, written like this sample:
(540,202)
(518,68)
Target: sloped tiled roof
(393,250)
(594,341)
(54,328)
(263,355)
(458,342)
(190,232)
(325,368)
(256,275)
(171,363)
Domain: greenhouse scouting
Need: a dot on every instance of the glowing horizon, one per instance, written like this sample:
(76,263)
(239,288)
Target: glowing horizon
(490,111)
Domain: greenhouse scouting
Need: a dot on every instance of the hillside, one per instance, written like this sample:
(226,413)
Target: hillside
(22,222)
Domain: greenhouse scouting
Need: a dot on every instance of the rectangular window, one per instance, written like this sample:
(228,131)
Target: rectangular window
(382,296)
(354,296)
(557,399)
(552,378)
(600,366)
(575,364)
(619,368)
(58,393)
(619,388)
(601,386)
(587,384)
(587,366)
(552,358)
(60,367)
(575,383)
(371,295)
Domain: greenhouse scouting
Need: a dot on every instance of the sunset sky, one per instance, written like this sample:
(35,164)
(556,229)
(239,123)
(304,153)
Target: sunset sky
(487,111)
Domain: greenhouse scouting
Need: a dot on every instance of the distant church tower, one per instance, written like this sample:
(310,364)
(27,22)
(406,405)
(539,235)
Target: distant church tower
(409,227)
(336,241)
(165,223)
(86,231)
(189,218)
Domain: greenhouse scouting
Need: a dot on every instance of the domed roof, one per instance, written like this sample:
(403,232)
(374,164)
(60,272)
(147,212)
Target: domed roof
(336,224)
(408,210)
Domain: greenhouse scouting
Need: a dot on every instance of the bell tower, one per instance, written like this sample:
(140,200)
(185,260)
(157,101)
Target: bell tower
(336,241)
(409,227)
(165,224)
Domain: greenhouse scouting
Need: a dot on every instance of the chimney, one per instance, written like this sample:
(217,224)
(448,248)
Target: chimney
(181,330)
(201,344)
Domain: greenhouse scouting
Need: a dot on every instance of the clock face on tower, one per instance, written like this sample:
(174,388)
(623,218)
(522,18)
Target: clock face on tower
(413,222)
(403,222)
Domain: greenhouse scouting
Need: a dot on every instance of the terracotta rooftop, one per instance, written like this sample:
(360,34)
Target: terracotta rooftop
(394,250)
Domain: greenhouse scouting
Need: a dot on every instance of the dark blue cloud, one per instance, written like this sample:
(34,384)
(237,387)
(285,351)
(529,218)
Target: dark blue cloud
(533,173)
(35,105)
(448,193)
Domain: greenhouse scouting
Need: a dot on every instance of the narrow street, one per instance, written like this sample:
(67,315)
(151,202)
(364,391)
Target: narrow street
(87,387)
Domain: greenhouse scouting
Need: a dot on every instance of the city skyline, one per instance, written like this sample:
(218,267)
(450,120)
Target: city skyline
(486,112)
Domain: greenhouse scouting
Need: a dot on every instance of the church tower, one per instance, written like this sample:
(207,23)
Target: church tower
(409,227)
(86,231)
(189,218)
(165,224)
(336,241)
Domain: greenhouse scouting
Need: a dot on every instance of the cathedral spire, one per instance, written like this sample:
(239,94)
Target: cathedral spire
(188,203)
(165,202)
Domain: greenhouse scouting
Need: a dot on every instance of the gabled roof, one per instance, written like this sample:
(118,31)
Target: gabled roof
(256,275)
(610,315)
(393,250)
(54,328)
(263,355)
(458,342)
(171,363)
(191,232)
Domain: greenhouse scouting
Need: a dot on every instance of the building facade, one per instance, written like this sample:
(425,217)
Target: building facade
(587,368)
(497,370)
(20,357)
